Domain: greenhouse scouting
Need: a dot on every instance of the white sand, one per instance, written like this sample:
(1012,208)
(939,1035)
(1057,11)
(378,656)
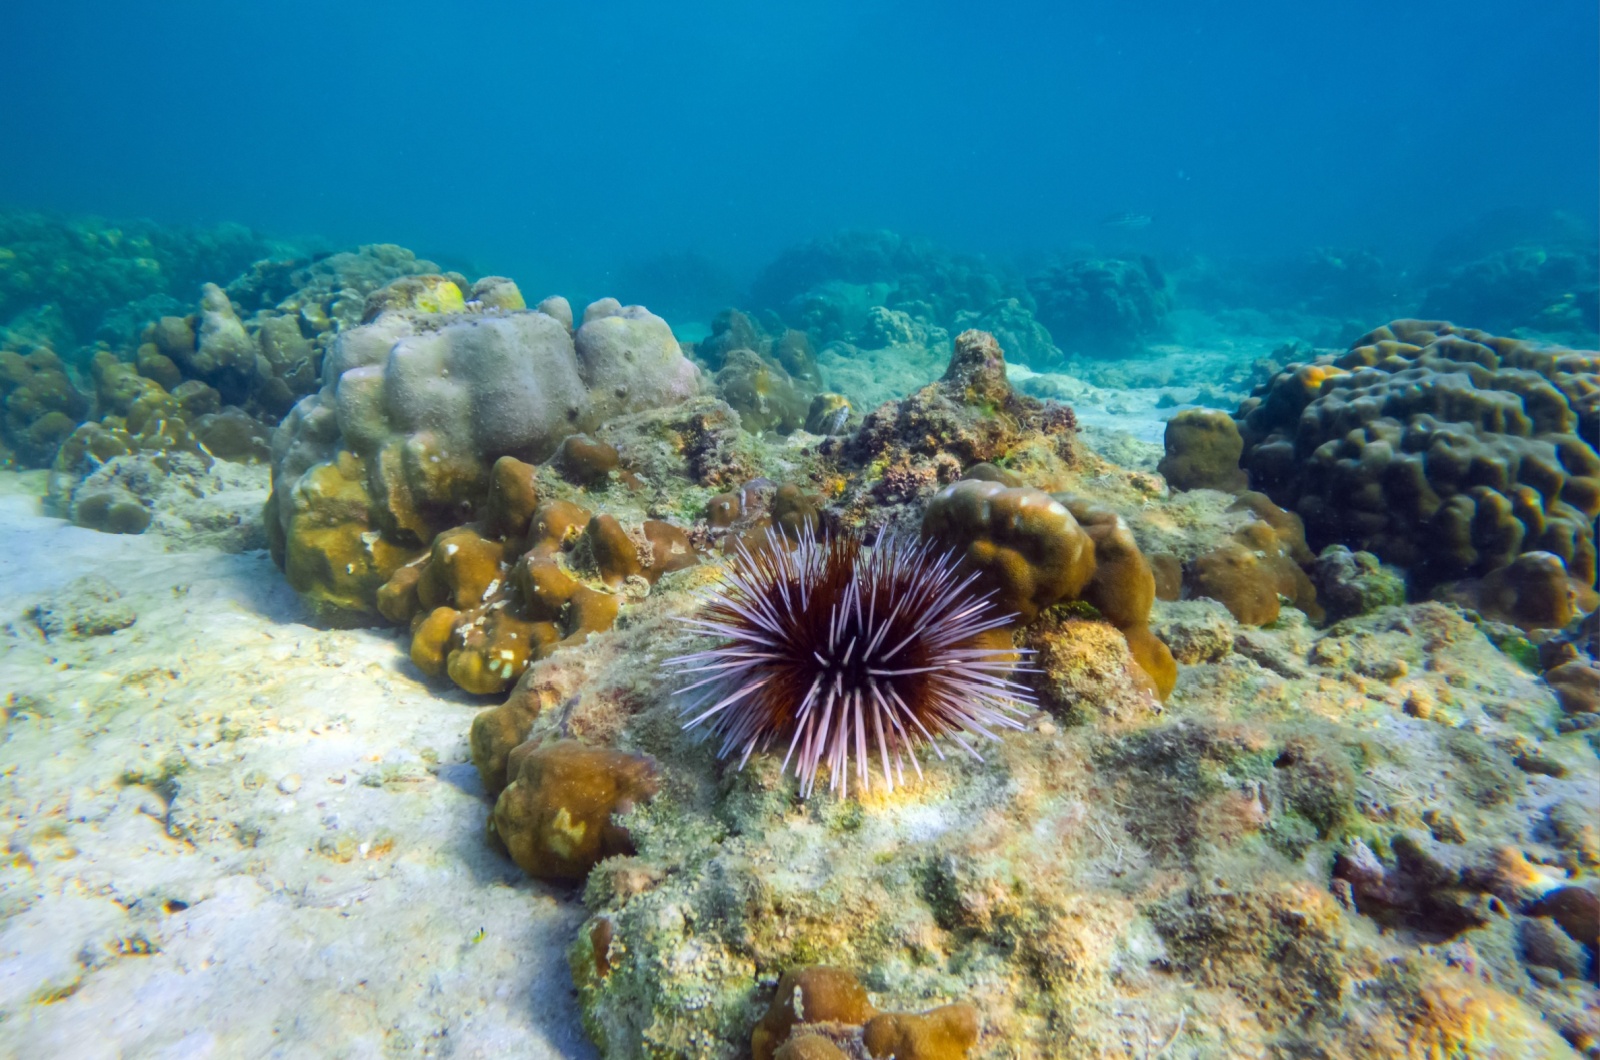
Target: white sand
(198,812)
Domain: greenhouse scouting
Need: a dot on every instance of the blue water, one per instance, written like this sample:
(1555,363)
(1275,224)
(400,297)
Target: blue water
(563,143)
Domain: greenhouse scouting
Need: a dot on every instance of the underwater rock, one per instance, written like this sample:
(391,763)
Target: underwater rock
(1217,815)
(1084,671)
(557,814)
(1196,631)
(907,449)
(1444,450)
(828,414)
(1203,447)
(86,607)
(1354,583)
(762,393)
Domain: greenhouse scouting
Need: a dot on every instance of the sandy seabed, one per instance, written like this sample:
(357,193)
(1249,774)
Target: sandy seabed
(229,832)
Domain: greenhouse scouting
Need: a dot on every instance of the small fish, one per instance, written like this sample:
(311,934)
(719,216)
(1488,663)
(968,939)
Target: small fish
(479,936)
(1128,220)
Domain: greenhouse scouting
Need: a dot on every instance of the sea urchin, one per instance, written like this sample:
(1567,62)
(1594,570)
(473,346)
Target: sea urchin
(827,646)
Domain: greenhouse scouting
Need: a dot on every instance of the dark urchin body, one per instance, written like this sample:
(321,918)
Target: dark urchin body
(827,648)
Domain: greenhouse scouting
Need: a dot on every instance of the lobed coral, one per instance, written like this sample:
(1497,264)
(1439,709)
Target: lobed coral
(557,814)
(415,408)
(533,577)
(1447,451)
(1035,551)
(42,406)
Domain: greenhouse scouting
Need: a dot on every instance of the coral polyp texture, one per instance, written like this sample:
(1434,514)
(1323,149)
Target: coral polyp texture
(835,654)
(1445,450)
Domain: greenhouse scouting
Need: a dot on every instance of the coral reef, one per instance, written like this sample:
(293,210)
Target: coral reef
(261,342)
(91,268)
(829,285)
(1444,450)
(906,450)
(1548,289)
(1101,307)
(1343,840)
(416,407)
(150,448)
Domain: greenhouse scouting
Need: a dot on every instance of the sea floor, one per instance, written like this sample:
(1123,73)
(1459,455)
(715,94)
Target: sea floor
(229,832)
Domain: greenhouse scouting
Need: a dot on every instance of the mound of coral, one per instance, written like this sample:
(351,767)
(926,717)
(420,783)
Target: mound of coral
(1445,450)
(1552,290)
(417,405)
(1102,307)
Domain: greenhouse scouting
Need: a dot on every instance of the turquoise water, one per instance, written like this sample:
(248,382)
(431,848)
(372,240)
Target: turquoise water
(562,144)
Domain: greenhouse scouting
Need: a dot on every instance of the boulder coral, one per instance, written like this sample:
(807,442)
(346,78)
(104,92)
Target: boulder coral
(1035,551)
(1447,451)
(530,578)
(415,408)
(1262,563)
(1202,452)
(42,406)
(557,815)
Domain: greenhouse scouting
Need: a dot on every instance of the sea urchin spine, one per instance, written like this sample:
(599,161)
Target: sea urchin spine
(828,646)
